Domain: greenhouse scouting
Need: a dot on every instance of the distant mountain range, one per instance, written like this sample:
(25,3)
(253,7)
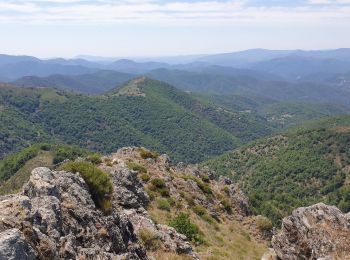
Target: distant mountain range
(283,75)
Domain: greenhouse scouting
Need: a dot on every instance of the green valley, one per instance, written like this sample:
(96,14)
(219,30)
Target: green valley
(294,169)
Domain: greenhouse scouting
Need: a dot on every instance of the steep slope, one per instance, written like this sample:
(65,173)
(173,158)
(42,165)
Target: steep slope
(15,169)
(291,170)
(159,116)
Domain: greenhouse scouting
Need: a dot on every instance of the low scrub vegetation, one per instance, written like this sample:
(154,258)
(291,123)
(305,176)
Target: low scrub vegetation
(98,181)
(263,223)
(163,204)
(144,177)
(183,224)
(94,158)
(149,240)
(203,186)
(145,154)
(137,167)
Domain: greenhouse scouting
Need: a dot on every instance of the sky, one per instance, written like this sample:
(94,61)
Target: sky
(145,28)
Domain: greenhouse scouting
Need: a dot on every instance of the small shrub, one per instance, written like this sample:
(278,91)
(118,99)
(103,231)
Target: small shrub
(45,147)
(151,194)
(171,201)
(205,178)
(199,210)
(94,158)
(164,192)
(182,223)
(263,223)
(144,177)
(203,186)
(158,183)
(226,189)
(98,181)
(163,204)
(227,205)
(137,167)
(148,154)
(149,240)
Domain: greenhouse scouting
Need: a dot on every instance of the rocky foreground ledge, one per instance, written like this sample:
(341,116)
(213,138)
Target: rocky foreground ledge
(54,217)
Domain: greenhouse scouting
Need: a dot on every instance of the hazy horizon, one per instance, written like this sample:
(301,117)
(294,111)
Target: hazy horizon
(89,56)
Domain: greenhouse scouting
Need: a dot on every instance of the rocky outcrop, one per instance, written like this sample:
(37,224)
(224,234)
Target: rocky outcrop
(55,217)
(237,196)
(315,232)
(131,198)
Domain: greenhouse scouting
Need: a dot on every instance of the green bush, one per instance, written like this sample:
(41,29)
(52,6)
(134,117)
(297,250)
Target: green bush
(144,177)
(137,167)
(163,204)
(151,194)
(182,223)
(94,158)
(226,189)
(199,210)
(164,192)
(67,153)
(205,178)
(203,186)
(98,181)
(158,183)
(263,223)
(227,205)
(171,201)
(148,154)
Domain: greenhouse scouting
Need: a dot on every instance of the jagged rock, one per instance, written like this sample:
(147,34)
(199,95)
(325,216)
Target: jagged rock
(164,160)
(237,196)
(129,191)
(174,241)
(316,232)
(224,180)
(171,239)
(58,219)
(14,246)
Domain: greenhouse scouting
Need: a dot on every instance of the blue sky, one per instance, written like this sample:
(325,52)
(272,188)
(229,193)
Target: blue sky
(128,28)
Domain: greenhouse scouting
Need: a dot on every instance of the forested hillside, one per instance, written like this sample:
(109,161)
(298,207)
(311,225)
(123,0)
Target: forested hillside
(160,117)
(295,169)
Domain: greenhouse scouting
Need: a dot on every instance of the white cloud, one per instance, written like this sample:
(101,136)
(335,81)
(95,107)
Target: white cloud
(161,13)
